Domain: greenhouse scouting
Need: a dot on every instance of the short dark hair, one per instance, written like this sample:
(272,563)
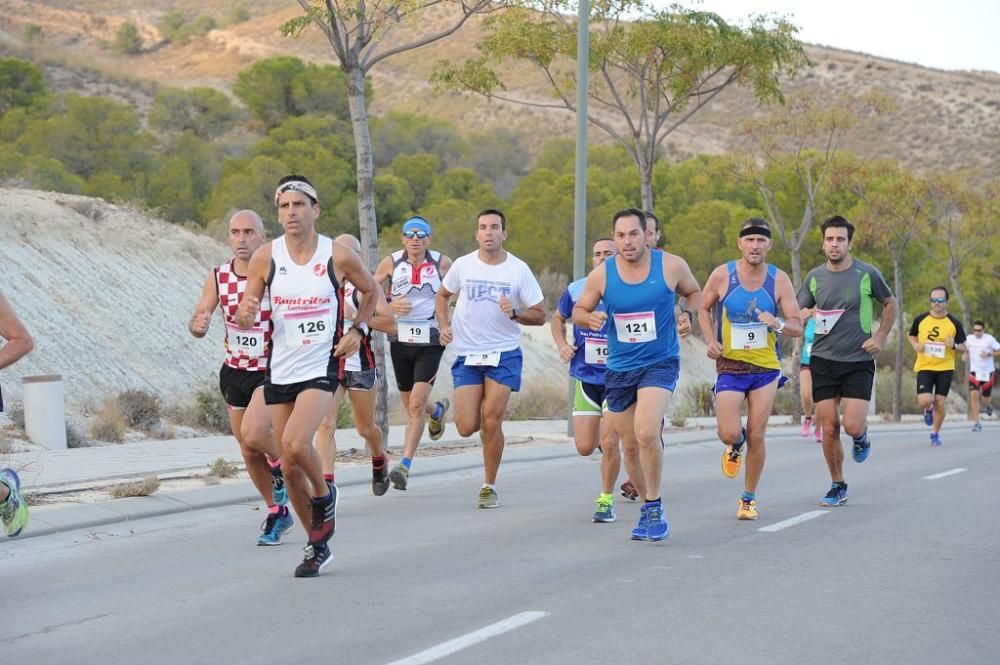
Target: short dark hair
(298,178)
(941,287)
(979,323)
(839,222)
(604,239)
(493,211)
(630,212)
(648,214)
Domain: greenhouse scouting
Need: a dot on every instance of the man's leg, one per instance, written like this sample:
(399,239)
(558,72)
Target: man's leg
(495,398)
(326,436)
(611,460)
(623,422)
(586,433)
(363,411)
(833,450)
(940,407)
(417,410)
(728,404)
(974,397)
(297,423)
(468,409)
(651,404)
(252,428)
(759,411)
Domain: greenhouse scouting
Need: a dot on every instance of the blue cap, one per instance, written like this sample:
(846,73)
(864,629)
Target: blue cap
(417,224)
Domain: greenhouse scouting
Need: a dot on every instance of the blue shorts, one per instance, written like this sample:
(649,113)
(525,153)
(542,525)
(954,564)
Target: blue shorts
(622,388)
(746,383)
(507,372)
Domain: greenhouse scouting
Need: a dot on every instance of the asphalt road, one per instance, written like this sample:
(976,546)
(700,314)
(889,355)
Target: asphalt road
(906,572)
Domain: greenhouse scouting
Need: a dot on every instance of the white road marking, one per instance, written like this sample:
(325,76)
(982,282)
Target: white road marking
(944,474)
(792,521)
(469,639)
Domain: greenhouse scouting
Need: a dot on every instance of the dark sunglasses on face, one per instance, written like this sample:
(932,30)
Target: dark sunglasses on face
(939,300)
(415,234)
(978,330)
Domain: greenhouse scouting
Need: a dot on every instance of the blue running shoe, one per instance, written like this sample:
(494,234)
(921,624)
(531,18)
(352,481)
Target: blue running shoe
(274,527)
(837,495)
(658,528)
(641,530)
(861,449)
(929,417)
(935,439)
(14,510)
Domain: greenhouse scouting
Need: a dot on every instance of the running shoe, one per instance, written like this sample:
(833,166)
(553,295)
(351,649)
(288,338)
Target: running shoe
(641,530)
(278,491)
(731,462)
(318,556)
(274,527)
(399,476)
(657,528)
(806,426)
(747,510)
(837,496)
(605,509)
(935,439)
(435,426)
(977,427)
(324,516)
(929,417)
(819,434)
(488,498)
(13,511)
(989,409)
(380,477)
(860,450)
(628,490)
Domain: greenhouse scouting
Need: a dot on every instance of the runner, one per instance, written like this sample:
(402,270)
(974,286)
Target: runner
(244,369)
(587,357)
(304,273)
(745,298)
(413,275)
(935,335)
(358,379)
(843,292)
(13,507)
(496,292)
(803,347)
(981,351)
(638,288)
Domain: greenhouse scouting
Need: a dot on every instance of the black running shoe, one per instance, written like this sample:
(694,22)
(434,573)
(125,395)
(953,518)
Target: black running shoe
(380,478)
(324,516)
(318,556)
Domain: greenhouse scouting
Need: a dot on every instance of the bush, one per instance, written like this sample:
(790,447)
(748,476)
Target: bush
(699,399)
(74,438)
(16,414)
(141,408)
(221,468)
(539,400)
(108,424)
(236,14)
(210,410)
(127,39)
(143,487)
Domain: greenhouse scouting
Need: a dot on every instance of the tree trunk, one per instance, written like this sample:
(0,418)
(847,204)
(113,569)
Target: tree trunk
(897,377)
(956,291)
(368,225)
(645,183)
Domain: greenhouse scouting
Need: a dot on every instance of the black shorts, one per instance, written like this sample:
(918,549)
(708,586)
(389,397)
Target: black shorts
(929,381)
(414,363)
(985,387)
(238,385)
(835,378)
(362,380)
(283,394)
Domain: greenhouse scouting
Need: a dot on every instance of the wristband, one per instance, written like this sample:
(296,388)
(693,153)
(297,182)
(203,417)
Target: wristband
(361,327)
(513,314)
(781,325)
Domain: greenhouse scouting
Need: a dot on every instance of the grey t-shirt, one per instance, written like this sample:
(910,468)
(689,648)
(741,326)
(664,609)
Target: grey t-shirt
(844,303)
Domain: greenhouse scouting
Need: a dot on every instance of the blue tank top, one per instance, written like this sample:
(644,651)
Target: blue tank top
(643,312)
(737,326)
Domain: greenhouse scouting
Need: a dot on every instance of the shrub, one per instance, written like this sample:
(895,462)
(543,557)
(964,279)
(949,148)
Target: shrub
(699,398)
(140,408)
(221,468)
(108,424)
(539,400)
(127,39)
(210,410)
(74,438)
(16,414)
(143,487)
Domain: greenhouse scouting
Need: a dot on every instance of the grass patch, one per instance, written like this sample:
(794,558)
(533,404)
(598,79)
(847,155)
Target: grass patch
(74,437)
(140,408)
(108,424)
(143,487)
(210,410)
(539,400)
(221,468)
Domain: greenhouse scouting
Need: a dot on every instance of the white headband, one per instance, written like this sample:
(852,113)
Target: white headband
(296,186)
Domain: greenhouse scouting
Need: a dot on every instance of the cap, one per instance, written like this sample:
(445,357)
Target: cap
(417,224)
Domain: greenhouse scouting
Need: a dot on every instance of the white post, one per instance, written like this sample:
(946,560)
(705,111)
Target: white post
(44,415)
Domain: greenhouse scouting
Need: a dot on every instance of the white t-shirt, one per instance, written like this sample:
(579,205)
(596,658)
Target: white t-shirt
(478,325)
(975,346)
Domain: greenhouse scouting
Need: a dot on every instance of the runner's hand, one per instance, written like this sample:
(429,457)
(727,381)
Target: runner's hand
(567,352)
(506,306)
(597,320)
(874,345)
(768,319)
(684,324)
(714,349)
(400,306)
(444,335)
(247,311)
(200,321)
(349,343)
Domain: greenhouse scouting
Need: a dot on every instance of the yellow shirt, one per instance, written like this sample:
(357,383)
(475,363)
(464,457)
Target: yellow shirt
(933,333)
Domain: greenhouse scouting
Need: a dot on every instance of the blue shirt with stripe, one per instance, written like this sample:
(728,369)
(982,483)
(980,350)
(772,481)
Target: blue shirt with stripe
(578,366)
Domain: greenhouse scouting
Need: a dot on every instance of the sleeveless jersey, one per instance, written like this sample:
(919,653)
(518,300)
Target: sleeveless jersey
(419,285)
(245,349)
(743,337)
(642,329)
(364,358)
(306,314)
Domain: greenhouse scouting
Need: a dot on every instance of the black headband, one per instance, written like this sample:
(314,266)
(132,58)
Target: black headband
(755,231)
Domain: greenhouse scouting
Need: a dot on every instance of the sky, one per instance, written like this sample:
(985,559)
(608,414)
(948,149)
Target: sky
(944,34)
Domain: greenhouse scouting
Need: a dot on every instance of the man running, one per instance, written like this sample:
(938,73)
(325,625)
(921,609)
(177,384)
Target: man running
(935,335)
(745,298)
(587,358)
(843,292)
(803,347)
(639,287)
(414,276)
(304,273)
(244,369)
(497,294)
(981,351)
(18,343)
(358,378)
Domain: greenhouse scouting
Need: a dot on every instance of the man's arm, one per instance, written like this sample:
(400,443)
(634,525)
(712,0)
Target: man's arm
(383,273)
(789,307)
(442,311)
(877,341)
(349,265)
(202,316)
(260,265)
(709,298)
(382,319)
(19,342)
(583,311)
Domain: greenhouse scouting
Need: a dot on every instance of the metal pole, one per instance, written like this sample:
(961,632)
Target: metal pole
(580,190)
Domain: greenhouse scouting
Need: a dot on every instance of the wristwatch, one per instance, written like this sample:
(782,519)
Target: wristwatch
(361,327)
(513,314)
(781,325)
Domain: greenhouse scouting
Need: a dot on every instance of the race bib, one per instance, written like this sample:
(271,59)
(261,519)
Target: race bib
(491,359)
(248,343)
(934,349)
(306,328)
(747,336)
(595,351)
(826,319)
(413,331)
(636,327)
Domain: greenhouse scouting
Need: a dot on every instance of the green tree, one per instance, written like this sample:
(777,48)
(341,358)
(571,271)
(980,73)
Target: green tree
(49,174)
(170,189)
(393,199)
(206,112)
(128,41)
(407,133)
(21,84)
(278,88)
(420,170)
(247,184)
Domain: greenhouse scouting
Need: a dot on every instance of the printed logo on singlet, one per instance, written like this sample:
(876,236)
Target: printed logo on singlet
(319,270)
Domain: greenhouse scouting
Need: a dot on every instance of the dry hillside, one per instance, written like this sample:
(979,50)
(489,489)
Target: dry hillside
(944,119)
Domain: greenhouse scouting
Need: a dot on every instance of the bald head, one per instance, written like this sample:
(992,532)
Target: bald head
(349,241)
(246,234)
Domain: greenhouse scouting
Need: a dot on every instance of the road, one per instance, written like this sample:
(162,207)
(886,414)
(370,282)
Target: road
(906,572)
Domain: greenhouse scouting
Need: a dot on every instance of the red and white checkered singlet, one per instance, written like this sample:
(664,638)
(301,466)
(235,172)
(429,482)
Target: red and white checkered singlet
(245,349)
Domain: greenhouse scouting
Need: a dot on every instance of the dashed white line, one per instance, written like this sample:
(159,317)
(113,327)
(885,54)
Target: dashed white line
(792,521)
(469,639)
(944,474)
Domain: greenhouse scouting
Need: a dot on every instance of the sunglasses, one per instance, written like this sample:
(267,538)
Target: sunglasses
(939,300)
(978,330)
(415,234)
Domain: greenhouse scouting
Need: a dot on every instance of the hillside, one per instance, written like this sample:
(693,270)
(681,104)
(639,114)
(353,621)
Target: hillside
(943,120)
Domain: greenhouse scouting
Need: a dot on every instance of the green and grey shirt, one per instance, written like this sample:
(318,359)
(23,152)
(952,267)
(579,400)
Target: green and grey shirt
(844,303)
